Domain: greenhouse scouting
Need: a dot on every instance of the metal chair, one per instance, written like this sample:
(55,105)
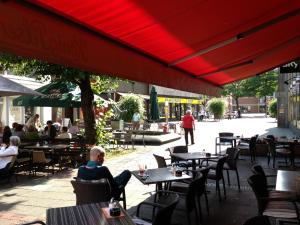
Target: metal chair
(223,141)
(161,162)
(179,149)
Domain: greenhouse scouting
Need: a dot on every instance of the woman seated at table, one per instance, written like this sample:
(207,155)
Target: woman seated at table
(64,134)
(8,152)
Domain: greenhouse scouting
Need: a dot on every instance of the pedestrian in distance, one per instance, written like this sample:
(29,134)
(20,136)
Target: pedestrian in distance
(188,124)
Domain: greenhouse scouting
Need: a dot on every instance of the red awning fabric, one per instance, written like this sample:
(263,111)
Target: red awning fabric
(189,45)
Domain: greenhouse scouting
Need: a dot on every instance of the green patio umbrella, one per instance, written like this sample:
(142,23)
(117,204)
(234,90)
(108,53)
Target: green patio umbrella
(154,113)
(55,94)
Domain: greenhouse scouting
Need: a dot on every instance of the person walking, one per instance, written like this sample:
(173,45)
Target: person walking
(188,124)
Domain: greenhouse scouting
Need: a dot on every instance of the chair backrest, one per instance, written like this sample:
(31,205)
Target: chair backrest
(91,191)
(179,149)
(128,137)
(225,134)
(204,172)
(271,145)
(38,157)
(259,187)
(258,170)
(164,215)
(258,220)
(219,167)
(233,155)
(195,190)
(161,162)
(252,143)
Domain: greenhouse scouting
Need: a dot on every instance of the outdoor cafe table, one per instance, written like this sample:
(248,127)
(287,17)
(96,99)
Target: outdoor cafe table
(47,147)
(90,214)
(159,175)
(193,156)
(287,181)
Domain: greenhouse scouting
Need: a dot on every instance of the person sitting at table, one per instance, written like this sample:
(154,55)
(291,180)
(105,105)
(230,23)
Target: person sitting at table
(74,129)
(94,170)
(19,131)
(14,126)
(33,121)
(64,134)
(31,134)
(7,153)
(50,130)
(6,135)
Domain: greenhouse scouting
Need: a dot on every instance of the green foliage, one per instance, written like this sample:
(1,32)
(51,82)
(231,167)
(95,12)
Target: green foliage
(129,104)
(273,108)
(102,135)
(259,86)
(216,106)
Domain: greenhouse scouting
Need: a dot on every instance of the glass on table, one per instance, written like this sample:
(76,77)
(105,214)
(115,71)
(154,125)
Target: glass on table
(142,169)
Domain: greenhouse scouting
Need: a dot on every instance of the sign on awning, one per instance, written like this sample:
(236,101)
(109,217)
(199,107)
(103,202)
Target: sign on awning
(292,67)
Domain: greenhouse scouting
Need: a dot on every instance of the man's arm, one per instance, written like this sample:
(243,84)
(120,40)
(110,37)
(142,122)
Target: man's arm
(8,152)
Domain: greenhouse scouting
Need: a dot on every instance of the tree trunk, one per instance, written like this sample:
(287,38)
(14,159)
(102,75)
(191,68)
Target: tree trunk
(265,99)
(87,98)
(238,107)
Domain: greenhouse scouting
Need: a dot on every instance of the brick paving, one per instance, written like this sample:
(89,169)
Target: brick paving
(29,198)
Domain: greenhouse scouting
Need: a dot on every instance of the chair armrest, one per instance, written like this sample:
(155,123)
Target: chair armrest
(34,222)
(154,205)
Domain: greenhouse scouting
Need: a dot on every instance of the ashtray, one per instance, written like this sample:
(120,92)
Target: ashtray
(178,173)
(208,155)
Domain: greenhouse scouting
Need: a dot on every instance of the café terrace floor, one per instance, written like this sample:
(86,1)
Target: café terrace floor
(30,197)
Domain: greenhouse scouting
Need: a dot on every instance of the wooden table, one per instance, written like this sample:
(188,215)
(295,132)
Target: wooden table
(90,214)
(193,157)
(159,175)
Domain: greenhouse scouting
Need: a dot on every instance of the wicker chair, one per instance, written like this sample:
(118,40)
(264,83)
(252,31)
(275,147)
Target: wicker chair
(164,212)
(94,191)
(39,162)
(273,206)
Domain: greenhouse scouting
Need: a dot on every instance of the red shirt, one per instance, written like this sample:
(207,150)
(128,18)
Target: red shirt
(187,121)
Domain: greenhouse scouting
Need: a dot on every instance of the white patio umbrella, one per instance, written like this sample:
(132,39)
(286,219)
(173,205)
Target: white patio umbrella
(11,88)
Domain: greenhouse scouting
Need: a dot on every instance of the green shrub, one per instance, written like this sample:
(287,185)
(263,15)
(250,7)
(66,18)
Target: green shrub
(129,104)
(273,108)
(216,106)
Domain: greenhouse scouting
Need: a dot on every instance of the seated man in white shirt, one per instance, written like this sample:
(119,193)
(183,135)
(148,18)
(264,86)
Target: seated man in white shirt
(7,153)
(64,134)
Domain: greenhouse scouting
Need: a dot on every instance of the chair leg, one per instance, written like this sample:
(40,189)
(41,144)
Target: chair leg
(238,179)
(273,161)
(206,201)
(188,217)
(269,159)
(218,189)
(124,199)
(224,187)
(199,207)
(228,177)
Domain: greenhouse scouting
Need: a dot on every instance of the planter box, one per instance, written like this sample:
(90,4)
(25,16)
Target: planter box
(117,124)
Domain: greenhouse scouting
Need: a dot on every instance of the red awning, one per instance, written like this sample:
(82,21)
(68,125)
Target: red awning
(189,45)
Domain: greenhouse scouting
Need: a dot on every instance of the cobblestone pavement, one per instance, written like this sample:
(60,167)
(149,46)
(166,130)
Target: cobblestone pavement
(29,198)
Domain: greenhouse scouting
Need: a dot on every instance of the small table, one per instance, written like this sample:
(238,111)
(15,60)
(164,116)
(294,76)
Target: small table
(193,157)
(90,214)
(286,181)
(160,175)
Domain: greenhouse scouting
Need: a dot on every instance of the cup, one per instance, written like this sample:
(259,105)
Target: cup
(142,168)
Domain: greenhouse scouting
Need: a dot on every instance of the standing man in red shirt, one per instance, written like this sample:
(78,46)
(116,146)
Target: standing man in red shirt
(188,124)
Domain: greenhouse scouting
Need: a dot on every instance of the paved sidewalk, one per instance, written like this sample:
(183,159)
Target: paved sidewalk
(29,199)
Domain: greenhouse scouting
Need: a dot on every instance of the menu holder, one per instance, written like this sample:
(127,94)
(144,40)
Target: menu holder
(108,216)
